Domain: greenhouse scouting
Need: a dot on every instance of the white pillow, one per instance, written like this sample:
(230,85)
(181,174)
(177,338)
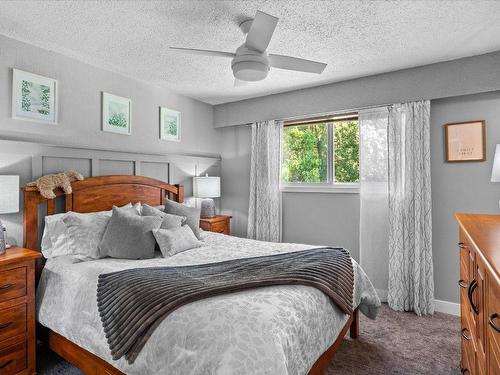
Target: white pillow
(176,240)
(56,239)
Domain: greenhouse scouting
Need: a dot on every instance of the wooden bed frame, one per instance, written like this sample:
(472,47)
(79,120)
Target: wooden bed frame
(100,194)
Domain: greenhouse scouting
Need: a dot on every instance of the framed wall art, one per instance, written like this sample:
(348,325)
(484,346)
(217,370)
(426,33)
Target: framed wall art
(465,141)
(116,114)
(170,124)
(34,97)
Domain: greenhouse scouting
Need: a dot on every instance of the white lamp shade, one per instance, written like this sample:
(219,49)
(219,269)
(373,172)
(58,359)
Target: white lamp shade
(9,194)
(495,172)
(206,187)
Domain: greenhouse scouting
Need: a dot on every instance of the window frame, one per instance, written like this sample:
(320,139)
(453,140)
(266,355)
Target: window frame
(330,186)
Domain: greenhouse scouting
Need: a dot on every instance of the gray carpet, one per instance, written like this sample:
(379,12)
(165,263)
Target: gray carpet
(394,344)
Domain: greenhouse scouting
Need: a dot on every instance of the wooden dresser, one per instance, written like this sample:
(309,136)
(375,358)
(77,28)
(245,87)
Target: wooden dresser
(17,311)
(479,283)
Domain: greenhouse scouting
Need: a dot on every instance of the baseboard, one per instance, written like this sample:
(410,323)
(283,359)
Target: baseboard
(446,307)
(382,294)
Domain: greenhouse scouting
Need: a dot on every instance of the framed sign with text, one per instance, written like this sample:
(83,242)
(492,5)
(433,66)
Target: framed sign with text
(465,141)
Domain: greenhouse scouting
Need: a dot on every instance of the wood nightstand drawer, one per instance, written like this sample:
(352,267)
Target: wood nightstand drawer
(219,227)
(12,283)
(12,322)
(218,224)
(13,359)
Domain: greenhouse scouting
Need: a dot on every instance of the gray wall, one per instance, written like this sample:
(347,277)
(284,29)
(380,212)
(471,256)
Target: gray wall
(318,218)
(470,75)
(322,219)
(459,187)
(80,87)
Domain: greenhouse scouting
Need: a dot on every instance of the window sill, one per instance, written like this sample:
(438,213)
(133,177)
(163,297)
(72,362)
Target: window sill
(311,188)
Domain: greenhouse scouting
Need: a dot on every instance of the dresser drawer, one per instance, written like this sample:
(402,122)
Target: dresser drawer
(13,359)
(467,344)
(12,283)
(493,325)
(12,322)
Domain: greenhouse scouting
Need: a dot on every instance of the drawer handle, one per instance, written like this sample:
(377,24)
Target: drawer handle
(6,286)
(462,284)
(6,363)
(492,323)
(464,371)
(462,246)
(472,288)
(464,335)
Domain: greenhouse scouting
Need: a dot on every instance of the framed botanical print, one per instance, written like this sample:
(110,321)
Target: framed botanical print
(34,97)
(465,141)
(116,114)
(170,124)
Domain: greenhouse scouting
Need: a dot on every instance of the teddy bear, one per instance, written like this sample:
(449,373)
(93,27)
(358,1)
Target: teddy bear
(47,184)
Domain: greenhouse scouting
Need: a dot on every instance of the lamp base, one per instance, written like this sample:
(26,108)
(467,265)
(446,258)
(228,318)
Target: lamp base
(207,208)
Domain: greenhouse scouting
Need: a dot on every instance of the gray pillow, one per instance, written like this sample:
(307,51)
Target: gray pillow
(85,231)
(192,215)
(169,221)
(129,236)
(176,240)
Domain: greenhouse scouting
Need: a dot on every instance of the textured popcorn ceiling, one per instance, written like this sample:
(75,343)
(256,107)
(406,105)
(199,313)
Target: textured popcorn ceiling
(355,38)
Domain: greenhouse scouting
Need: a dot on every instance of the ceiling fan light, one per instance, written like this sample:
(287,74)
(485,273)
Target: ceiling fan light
(250,70)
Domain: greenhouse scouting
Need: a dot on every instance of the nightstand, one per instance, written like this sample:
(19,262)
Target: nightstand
(219,224)
(17,311)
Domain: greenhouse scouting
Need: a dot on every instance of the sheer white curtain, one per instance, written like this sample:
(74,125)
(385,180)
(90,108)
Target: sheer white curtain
(374,198)
(264,212)
(411,280)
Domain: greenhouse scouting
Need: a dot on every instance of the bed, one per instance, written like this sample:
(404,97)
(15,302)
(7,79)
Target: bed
(286,329)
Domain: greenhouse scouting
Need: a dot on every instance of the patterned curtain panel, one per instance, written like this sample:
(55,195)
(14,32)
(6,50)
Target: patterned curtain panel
(374,197)
(411,281)
(264,212)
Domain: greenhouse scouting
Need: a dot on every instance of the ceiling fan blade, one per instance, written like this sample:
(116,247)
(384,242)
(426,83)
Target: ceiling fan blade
(239,83)
(261,31)
(294,63)
(205,52)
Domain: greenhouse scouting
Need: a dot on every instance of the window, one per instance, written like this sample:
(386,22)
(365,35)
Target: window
(321,154)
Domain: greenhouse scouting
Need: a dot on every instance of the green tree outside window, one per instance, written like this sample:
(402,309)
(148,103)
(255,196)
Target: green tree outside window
(306,149)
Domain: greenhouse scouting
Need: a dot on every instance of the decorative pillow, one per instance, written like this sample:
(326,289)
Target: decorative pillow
(129,236)
(85,231)
(192,215)
(169,221)
(176,240)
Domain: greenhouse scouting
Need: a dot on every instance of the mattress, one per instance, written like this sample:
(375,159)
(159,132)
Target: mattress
(270,330)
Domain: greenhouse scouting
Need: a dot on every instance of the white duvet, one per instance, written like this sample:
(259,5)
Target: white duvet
(272,330)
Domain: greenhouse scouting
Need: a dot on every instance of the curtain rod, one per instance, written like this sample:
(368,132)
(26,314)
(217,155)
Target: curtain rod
(388,106)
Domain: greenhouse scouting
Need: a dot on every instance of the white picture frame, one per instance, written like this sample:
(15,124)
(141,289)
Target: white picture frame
(34,97)
(116,114)
(170,124)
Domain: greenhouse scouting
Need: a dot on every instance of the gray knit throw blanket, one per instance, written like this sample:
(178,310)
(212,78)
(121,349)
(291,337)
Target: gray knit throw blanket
(132,303)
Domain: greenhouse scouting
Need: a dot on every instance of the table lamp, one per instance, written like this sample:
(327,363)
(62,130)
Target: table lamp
(9,203)
(207,188)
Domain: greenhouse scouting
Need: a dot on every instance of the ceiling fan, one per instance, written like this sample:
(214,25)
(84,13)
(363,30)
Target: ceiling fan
(251,62)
